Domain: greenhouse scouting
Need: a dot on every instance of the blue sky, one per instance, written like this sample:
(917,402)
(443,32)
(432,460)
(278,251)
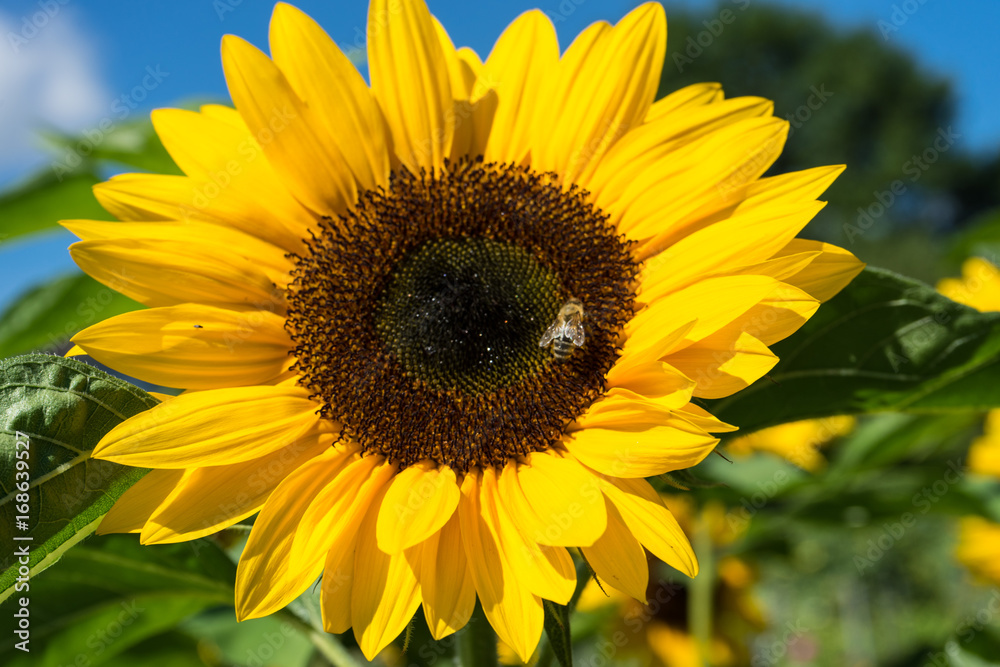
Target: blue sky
(71,71)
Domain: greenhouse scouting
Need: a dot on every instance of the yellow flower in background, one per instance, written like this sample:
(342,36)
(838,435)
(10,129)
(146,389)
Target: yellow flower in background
(659,633)
(979,286)
(978,538)
(437,330)
(796,442)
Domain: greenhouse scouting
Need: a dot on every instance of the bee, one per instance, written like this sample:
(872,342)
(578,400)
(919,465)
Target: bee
(566,331)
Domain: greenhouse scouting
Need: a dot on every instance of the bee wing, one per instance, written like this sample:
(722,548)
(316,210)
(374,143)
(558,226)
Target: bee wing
(576,334)
(549,334)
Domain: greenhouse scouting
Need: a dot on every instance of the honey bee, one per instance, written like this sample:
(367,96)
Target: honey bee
(566,331)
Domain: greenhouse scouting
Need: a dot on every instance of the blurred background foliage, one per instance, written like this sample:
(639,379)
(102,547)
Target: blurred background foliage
(828,543)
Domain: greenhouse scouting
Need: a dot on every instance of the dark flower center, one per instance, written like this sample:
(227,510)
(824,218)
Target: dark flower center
(417,317)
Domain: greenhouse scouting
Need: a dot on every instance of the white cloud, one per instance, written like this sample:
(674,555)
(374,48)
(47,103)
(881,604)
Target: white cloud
(49,76)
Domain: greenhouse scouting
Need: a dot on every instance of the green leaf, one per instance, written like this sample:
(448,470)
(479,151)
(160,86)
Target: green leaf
(980,237)
(47,316)
(885,343)
(64,407)
(112,593)
(46,199)
(170,649)
(134,144)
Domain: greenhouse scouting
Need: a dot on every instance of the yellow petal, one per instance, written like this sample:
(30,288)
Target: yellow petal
(338,585)
(704,174)
(605,88)
(419,502)
(703,419)
(712,303)
(795,186)
(191,346)
(553,500)
(166,273)
(220,155)
(644,453)
(314,172)
(653,379)
(224,113)
(525,54)
(644,146)
(727,246)
(695,95)
(316,509)
(618,558)
(348,120)
(207,500)
(385,592)
(648,519)
(721,366)
(623,409)
(648,344)
(514,612)
(211,428)
(145,197)
(547,572)
(462,78)
(130,513)
(446,584)
(828,273)
(269,257)
(410,80)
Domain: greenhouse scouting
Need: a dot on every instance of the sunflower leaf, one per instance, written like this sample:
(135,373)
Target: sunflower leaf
(46,316)
(45,199)
(112,594)
(53,411)
(885,343)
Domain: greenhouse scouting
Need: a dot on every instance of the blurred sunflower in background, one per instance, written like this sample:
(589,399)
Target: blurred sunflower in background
(659,632)
(798,442)
(456,317)
(978,537)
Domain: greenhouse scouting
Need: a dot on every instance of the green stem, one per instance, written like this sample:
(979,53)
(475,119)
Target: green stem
(324,642)
(701,592)
(477,643)
(583,571)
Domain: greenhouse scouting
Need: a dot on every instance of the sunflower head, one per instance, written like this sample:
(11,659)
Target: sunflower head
(436,330)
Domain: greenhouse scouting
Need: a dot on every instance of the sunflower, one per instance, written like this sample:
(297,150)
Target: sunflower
(796,442)
(352,284)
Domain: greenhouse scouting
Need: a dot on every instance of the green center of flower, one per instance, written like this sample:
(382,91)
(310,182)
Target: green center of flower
(467,314)
(419,318)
